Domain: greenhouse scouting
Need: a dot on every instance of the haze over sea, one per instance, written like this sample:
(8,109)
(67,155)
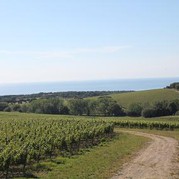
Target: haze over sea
(97,85)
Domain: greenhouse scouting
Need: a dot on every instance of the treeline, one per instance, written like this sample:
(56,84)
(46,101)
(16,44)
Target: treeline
(161,108)
(65,95)
(102,106)
(174,86)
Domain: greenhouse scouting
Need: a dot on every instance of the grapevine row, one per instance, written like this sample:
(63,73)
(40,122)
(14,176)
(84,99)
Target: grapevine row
(23,142)
(145,124)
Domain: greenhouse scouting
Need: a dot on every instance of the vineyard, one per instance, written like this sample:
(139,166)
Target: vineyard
(160,123)
(146,124)
(27,141)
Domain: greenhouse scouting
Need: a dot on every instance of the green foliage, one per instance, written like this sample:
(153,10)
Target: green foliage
(149,112)
(30,140)
(174,86)
(134,109)
(16,107)
(146,124)
(133,103)
(145,98)
(101,162)
(104,105)
(108,107)
(8,109)
(92,107)
(3,105)
(162,108)
(78,106)
(116,110)
(65,95)
(47,106)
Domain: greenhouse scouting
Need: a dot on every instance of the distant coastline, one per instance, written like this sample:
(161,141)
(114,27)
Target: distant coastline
(96,85)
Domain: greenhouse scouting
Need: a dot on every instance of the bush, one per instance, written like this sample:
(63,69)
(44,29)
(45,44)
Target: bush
(108,107)
(116,110)
(177,113)
(78,106)
(149,112)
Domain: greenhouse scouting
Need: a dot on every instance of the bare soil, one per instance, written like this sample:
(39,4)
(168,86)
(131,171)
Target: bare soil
(157,161)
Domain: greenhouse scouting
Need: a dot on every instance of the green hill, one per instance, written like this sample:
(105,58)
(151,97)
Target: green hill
(145,97)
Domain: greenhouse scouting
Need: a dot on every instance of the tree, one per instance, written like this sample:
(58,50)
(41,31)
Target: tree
(135,109)
(64,110)
(162,108)
(52,106)
(78,106)
(172,106)
(108,107)
(16,107)
(48,106)
(25,107)
(116,110)
(92,107)
(3,105)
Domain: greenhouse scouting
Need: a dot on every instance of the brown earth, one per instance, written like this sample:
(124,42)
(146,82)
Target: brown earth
(157,161)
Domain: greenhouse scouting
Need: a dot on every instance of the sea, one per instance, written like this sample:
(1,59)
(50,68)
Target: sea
(93,85)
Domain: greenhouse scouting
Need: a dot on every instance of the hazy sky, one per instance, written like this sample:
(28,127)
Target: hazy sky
(66,40)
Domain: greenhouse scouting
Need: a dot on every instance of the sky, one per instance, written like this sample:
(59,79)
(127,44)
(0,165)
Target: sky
(58,40)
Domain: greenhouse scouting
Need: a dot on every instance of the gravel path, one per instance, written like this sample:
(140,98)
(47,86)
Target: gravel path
(157,161)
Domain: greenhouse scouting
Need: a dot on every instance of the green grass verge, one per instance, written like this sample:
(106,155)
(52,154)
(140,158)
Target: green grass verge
(103,161)
(97,163)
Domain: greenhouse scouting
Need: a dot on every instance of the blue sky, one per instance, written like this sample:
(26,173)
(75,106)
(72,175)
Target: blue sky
(43,40)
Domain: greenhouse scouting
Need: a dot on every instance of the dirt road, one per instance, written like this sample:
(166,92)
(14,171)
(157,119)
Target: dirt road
(157,161)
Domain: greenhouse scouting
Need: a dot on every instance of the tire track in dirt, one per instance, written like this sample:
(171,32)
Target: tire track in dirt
(157,161)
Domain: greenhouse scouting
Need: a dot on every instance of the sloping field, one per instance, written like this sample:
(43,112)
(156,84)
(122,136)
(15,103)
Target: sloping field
(145,97)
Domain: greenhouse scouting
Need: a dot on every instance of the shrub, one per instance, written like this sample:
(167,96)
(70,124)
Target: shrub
(177,113)
(149,112)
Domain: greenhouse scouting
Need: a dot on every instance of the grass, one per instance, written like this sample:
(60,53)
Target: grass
(97,163)
(146,97)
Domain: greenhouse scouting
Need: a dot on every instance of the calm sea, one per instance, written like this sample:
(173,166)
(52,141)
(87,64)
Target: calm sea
(98,85)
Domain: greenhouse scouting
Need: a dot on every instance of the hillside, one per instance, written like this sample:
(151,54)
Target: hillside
(65,95)
(145,97)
